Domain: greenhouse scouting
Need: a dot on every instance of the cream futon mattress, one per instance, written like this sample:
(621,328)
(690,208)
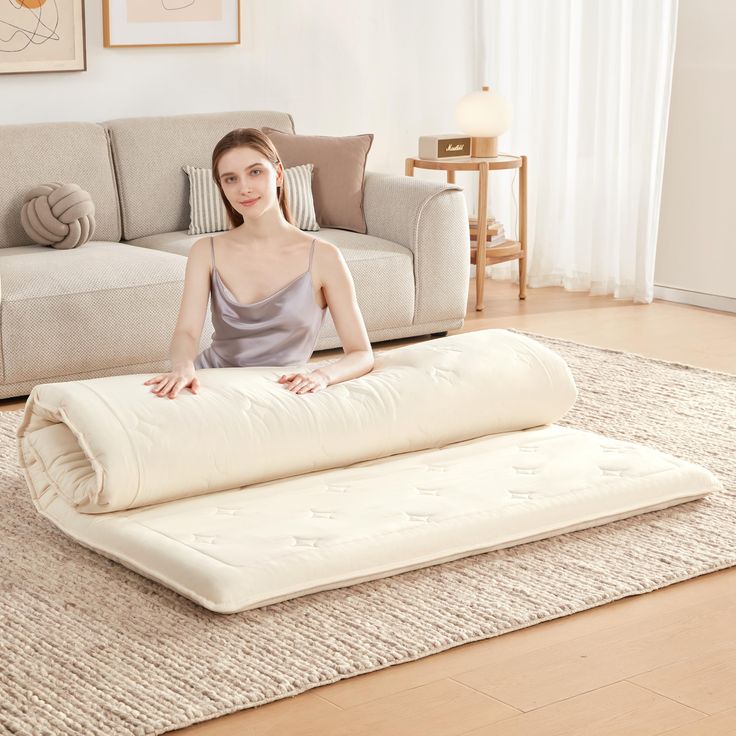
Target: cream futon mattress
(248,494)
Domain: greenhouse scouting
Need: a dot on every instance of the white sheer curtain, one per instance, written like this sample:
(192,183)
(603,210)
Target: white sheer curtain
(590,84)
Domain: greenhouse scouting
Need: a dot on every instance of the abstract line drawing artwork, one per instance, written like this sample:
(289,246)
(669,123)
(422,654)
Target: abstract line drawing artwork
(173,11)
(41,35)
(170,22)
(39,25)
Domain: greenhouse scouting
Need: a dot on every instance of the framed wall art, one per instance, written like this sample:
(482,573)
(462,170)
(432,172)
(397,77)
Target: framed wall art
(42,36)
(170,22)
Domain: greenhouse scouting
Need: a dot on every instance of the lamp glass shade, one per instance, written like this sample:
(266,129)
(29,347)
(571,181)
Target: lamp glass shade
(483,114)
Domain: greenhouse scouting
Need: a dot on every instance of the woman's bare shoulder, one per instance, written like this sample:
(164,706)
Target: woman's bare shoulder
(329,264)
(326,252)
(200,246)
(200,255)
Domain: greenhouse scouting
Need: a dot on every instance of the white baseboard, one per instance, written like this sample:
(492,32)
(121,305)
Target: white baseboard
(696,298)
(670,294)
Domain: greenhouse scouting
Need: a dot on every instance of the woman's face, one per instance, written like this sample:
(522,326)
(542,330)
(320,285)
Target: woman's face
(249,180)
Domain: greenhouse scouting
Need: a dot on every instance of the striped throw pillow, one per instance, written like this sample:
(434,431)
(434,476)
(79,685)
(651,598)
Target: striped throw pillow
(208,214)
(298,180)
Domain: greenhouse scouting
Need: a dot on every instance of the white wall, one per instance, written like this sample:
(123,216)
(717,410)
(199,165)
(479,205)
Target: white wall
(397,68)
(394,68)
(696,248)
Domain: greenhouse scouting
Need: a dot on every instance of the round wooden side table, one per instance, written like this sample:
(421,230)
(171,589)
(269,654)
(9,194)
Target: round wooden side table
(509,250)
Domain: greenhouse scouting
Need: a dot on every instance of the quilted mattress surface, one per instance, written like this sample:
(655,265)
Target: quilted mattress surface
(108,444)
(248,494)
(245,548)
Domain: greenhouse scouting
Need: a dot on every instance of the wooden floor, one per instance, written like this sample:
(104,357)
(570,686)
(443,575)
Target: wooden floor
(664,662)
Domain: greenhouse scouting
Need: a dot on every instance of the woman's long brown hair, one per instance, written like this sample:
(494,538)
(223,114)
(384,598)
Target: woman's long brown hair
(253,138)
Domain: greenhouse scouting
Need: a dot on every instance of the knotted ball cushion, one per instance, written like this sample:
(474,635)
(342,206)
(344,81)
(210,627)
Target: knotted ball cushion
(58,214)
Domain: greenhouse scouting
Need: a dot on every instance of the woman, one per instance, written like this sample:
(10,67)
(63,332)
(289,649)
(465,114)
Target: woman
(270,283)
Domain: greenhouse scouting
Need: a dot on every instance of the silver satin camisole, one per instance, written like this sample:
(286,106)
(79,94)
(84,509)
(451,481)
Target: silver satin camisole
(280,330)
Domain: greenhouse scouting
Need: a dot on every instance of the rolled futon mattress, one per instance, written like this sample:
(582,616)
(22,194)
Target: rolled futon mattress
(247,494)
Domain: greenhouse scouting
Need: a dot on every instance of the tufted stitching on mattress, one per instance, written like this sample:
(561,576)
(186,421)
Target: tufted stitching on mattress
(204,538)
(305,542)
(445,489)
(323,514)
(417,517)
(526,493)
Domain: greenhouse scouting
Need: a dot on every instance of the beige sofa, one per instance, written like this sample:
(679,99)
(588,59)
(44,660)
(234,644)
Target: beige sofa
(109,307)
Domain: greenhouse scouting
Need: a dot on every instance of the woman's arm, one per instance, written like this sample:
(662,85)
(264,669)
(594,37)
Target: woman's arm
(353,365)
(339,291)
(184,343)
(193,309)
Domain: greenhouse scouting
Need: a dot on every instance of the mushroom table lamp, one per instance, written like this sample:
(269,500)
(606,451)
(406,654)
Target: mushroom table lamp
(484,116)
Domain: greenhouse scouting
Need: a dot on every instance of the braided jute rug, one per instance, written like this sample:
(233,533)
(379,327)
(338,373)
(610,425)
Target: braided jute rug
(90,647)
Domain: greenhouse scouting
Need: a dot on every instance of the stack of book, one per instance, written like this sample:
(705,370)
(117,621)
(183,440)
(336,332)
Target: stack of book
(499,248)
(495,232)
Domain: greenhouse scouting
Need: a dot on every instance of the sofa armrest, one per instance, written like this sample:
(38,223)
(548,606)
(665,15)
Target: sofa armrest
(431,220)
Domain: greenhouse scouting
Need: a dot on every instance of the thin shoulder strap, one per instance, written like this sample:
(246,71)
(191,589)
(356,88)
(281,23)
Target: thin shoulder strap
(311,253)
(212,244)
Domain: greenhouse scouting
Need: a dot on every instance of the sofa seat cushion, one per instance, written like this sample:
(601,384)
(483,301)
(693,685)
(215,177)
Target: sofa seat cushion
(383,272)
(98,306)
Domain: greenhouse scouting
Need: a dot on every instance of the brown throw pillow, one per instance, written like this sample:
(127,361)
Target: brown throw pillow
(339,169)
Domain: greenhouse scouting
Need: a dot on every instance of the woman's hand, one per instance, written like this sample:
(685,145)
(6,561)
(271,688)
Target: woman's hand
(169,384)
(301,383)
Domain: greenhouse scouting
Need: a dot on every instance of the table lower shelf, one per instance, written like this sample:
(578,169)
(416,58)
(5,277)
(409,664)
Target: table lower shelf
(507,251)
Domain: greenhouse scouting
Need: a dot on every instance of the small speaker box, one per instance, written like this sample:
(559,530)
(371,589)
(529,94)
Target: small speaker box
(444,146)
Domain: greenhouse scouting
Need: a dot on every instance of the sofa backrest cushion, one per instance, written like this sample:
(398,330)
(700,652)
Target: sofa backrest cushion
(149,154)
(41,153)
